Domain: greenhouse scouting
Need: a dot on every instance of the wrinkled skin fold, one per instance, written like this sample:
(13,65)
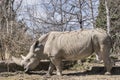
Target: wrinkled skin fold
(74,45)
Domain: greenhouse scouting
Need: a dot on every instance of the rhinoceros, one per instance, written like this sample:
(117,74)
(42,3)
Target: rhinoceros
(69,45)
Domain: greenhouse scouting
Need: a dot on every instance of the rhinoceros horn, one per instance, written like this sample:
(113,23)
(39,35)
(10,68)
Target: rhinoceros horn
(17,60)
(20,61)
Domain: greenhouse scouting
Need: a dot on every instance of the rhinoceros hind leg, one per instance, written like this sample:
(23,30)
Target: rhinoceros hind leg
(106,59)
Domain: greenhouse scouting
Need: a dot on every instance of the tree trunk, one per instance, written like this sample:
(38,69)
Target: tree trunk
(108,16)
(7,54)
(92,14)
(80,18)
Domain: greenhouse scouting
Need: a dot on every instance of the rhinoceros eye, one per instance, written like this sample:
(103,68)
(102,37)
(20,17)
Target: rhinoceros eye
(28,60)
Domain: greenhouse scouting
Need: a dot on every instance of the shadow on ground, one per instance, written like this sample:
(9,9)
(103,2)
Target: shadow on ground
(96,71)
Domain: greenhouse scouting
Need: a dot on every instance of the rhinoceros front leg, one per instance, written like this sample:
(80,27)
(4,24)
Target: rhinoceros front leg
(58,65)
(50,69)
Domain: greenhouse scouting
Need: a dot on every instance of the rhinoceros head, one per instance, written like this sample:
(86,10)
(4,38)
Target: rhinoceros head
(31,60)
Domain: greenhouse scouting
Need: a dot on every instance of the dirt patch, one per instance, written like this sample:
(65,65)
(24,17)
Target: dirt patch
(67,75)
(96,72)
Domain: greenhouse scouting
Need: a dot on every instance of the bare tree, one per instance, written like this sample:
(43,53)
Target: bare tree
(61,15)
(12,32)
(92,12)
(80,17)
(108,16)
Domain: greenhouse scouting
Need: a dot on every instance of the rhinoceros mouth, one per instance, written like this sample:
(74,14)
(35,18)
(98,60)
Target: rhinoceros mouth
(26,70)
(19,61)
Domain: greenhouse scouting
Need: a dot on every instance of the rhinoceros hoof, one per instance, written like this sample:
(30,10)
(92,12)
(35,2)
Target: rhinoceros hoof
(107,73)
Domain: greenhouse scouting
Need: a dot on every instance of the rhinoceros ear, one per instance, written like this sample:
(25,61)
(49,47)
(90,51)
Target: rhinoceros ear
(35,44)
(39,47)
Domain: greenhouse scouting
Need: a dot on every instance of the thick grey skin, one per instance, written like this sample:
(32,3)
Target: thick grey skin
(77,45)
(72,45)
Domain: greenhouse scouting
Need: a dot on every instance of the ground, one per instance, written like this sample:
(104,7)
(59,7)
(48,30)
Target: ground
(95,72)
(68,75)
